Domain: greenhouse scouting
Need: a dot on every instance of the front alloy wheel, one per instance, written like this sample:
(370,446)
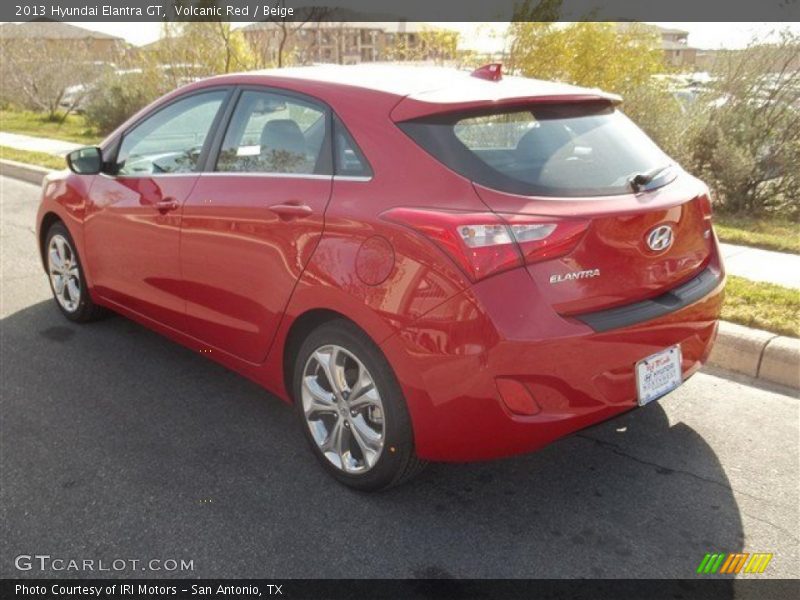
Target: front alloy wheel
(66,278)
(65,274)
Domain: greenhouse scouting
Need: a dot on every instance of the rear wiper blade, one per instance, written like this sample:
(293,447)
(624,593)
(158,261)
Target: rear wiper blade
(639,180)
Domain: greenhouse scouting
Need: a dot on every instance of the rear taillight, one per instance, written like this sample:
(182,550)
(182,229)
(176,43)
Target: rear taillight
(542,238)
(484,243)
(704,201)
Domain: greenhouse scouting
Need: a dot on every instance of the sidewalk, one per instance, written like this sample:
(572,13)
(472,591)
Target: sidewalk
(762,265)
(37,144)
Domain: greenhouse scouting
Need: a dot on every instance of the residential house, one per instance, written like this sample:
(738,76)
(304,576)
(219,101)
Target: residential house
(674,44)
(93,45)
(677,51)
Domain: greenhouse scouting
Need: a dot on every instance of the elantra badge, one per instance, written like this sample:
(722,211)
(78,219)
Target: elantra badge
(660,238)
(588,274)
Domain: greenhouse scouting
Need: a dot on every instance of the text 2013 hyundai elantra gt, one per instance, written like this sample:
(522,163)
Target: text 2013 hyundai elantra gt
(431,264)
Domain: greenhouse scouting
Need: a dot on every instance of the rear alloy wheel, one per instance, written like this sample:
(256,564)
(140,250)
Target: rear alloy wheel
(343,409)
(352,409)
(66,278)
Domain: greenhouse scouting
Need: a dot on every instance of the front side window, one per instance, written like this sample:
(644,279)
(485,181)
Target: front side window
(566,150)
(273,133)
(171,140)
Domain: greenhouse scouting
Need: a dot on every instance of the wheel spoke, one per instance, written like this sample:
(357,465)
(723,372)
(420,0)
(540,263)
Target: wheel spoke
(56,262)
(367,397)
(337,373)
(363,382)
(335,440)
(58,283)
(368,440)
(73,289)
(60,248)
(326,359)
(318,400)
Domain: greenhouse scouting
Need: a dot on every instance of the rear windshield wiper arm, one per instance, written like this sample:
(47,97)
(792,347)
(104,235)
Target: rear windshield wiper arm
(640,180)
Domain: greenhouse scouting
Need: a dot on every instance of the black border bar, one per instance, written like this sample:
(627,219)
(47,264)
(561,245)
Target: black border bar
(402,10)
(708,588)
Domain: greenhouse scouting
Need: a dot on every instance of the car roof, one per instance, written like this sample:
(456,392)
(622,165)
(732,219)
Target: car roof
(407,80)
(418,90)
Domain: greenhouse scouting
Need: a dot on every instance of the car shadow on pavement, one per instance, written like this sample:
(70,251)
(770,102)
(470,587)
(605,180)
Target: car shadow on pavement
(118,443)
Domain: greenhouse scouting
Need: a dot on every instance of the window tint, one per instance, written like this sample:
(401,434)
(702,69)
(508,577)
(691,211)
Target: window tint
(348,158)
(567,150)
(273,133)
(172,139)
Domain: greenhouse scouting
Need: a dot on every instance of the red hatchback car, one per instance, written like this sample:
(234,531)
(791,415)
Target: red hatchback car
(432,264)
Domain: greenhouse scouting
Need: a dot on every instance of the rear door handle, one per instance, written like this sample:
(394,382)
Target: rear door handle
(167,205)
(292,210)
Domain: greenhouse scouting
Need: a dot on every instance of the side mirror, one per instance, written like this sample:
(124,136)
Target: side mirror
(85,161)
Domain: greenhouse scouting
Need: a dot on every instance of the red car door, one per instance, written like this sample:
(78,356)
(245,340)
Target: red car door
(253,220)
(132,227)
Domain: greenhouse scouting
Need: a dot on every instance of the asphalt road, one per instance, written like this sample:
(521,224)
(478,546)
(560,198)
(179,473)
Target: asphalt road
(116,443)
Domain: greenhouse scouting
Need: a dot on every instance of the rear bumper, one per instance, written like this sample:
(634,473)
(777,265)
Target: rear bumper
(448,363)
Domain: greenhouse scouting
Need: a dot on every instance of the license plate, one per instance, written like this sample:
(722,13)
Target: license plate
(658,374)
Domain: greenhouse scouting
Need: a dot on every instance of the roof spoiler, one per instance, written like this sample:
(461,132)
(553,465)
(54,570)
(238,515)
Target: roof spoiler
(411,108)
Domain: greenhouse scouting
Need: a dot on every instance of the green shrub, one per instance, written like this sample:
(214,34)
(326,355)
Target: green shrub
(748,149)
(117,96)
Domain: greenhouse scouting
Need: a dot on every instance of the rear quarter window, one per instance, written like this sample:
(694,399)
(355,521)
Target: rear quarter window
(548,150)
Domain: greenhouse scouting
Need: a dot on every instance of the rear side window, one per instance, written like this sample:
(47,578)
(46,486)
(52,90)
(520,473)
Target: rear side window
(548,150)
(273,133)
(349,161)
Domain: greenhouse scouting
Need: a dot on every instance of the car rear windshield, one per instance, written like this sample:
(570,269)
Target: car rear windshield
(571,150)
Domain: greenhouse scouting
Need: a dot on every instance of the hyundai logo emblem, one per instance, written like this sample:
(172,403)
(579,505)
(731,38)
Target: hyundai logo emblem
(660,238)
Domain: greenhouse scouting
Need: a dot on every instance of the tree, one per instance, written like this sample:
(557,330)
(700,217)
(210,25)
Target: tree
(437,45)
(602,55)
(288,30)
(37,75)
(192,49)
(748,149)
(625,59)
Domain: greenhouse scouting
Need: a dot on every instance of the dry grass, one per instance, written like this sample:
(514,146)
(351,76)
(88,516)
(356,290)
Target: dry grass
(762,305)
(33,158)
(767,233)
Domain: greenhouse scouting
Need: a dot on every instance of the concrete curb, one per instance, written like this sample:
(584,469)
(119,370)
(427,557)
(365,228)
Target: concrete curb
(757,354)
(25,172)
(752,352)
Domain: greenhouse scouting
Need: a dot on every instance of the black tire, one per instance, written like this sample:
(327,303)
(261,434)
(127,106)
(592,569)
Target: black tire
(397,461)
(86,310)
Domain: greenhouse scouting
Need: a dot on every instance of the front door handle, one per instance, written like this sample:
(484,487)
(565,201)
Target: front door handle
(166,205)
(292,210)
